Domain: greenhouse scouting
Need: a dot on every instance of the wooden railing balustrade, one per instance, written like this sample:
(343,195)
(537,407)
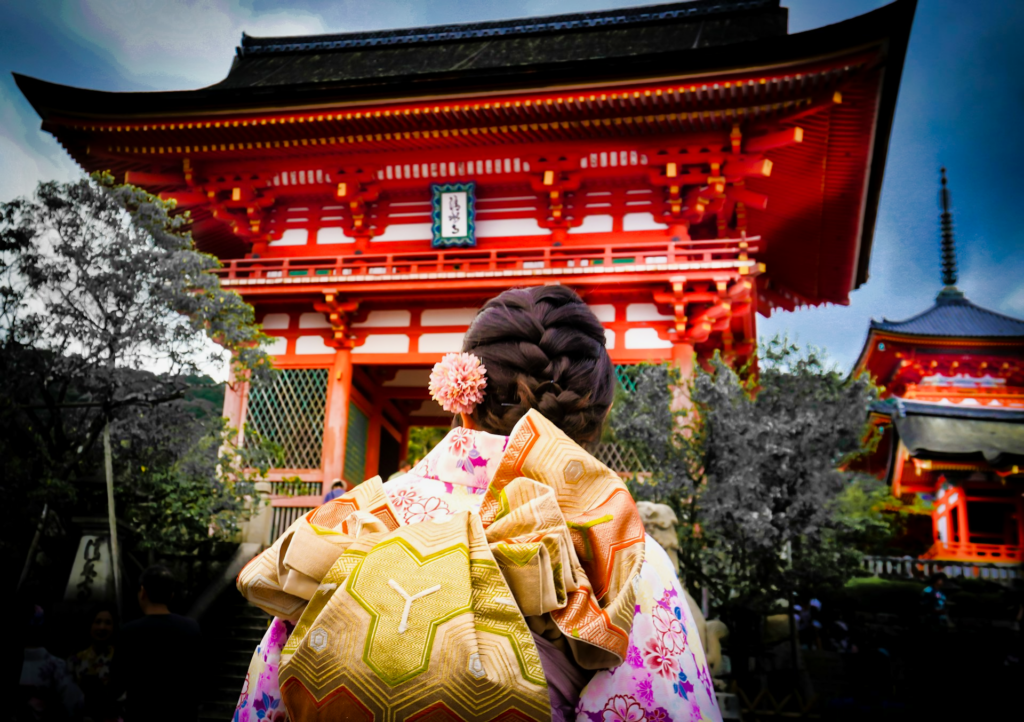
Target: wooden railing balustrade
(490,260)
(914,568)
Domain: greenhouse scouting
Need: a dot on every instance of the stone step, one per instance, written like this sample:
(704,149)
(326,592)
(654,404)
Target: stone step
(238,656)
(220,711)
(235,629)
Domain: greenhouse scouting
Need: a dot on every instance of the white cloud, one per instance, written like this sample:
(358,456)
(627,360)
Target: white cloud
(1014,302)
(175,40)
(27,156)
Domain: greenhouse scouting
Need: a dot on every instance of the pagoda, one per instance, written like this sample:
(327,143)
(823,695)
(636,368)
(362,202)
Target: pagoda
(682,166)
(952,417)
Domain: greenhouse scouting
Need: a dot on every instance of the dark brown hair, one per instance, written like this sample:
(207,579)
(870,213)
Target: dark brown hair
(543,349)
(159,583)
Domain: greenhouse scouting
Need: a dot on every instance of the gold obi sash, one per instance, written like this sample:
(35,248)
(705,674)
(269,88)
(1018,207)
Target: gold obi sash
(426,621)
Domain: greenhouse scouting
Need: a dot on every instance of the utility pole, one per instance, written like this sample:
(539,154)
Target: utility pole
(32,547)
(108,462)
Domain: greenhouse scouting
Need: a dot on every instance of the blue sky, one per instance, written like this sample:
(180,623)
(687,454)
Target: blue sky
(961,105)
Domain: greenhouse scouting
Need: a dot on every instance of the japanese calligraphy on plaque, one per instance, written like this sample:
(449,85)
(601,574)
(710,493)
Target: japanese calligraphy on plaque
(454,215)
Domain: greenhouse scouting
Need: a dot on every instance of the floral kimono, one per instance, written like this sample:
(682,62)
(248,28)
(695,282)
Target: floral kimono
(503,578)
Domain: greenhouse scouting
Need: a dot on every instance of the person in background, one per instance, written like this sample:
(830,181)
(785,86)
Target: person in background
(404,469)
(47,692)
(816,626)
(91,668)
(158,654)
(933,601)
(337,489)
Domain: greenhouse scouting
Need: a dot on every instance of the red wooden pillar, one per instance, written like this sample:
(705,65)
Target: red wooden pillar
(336,417)
(898,465)
(236,396)
(1020,529)
(683,358)
(965,528)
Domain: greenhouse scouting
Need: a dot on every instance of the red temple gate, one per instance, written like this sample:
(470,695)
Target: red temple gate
(681,166)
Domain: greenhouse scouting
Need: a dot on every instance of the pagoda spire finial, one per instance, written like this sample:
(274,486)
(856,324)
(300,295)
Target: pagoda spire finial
(949,274)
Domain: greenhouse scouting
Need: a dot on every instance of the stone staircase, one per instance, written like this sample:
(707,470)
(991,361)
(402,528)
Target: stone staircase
(232,629)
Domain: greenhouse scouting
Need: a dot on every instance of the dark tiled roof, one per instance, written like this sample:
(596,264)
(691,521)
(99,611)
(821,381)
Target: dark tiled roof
(901,408)
(698,10)
(955,316)
(954,432)
(615,36)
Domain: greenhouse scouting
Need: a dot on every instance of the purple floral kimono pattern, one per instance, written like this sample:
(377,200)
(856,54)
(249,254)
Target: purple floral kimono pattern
(665,677)
(261,694)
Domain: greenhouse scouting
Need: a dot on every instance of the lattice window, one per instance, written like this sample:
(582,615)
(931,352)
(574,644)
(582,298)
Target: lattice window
(355,445)
(290,412)
(626,376)
(618,458)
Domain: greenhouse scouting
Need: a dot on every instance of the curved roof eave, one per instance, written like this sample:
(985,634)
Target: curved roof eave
(885,30)
(888,27)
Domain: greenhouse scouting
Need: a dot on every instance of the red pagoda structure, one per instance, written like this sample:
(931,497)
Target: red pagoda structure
(682,166)
(952,421)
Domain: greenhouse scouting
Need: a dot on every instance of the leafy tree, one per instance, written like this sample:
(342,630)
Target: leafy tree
(99,282)
(422,439)
(667,442)
(754,471)
(179,474)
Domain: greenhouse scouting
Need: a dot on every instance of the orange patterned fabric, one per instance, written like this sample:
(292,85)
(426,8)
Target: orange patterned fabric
(605,527)
(410,616)
(284,577)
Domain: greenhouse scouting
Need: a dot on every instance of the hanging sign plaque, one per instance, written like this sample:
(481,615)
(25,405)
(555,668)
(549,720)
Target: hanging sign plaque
(454,215)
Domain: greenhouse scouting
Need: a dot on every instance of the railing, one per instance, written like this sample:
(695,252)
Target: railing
(969,551)
(284,517)
(911,568)
(568,259)
(764,705)
(296,488)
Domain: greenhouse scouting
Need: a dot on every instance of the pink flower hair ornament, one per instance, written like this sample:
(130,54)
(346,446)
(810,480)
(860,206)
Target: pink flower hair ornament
(457,382)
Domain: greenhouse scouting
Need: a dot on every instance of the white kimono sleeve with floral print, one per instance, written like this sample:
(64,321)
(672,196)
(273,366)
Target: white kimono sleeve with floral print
(260,700)
(665,677)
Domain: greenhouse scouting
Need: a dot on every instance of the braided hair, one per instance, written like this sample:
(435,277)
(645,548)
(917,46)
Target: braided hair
(544,349)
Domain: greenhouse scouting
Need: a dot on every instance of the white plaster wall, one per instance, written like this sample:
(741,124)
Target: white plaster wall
(278,347)
(313,319)
(328,236)
(384,343)
(275,320)
(447,316)
(385,318)
(305,345)
(405,232)
(605,312)
(292,237)
(645,312)
(639,338)
(510,227)
(441,342)
(594,224)
(641,222)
